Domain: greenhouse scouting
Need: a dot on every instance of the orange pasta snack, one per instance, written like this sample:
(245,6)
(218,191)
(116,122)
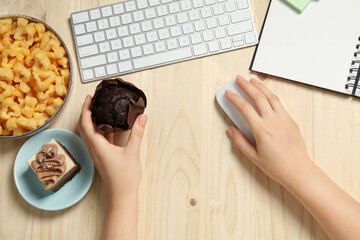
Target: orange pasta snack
(34,75)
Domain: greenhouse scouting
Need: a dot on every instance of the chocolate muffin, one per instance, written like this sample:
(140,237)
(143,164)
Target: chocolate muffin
(116,105)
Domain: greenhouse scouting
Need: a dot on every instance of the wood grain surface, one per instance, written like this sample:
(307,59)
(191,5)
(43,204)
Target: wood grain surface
(195,184)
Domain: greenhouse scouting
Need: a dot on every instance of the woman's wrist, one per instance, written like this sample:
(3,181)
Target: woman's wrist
(122,198)
(302,176)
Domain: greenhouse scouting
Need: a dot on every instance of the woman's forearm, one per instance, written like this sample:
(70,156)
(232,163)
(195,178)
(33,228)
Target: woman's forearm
(332,207)
(122,218)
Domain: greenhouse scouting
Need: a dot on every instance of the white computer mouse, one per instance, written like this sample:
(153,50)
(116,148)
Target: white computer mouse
(231,111)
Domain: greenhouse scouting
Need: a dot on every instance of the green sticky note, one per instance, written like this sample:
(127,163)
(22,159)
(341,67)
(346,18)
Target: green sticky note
(299,5)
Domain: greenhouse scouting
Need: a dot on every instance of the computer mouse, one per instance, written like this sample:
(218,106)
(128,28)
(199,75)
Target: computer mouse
(230,109)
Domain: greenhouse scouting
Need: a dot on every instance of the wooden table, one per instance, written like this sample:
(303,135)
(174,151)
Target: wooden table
(186,155)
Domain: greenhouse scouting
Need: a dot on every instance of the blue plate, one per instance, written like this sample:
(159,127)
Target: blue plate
(32,190)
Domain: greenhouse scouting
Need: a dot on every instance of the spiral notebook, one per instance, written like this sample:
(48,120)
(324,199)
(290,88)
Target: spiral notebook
(319,47)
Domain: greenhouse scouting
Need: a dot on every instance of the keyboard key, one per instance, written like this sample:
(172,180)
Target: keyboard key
(134,28)
(238,43)
(185,5)
(154,2)
(213,46)
(171,43)
(93,61)
(146,26)
(88,50)
(224,20)
(237,38)
(111,69)
(198,3)
(199,49)
(250,38)
(103,23)
(230,6)
(123,31)
(175,31)
(150,13)
(114,21)
(130,6)
(106,11)
(151,36)
(188,28)
(100,72)
(158,23)
(240,16)
(95,14)
(84,39)
(99,36)
(210,2)
(125,66)
(170,20)
(182,17)
(124,54)
(238,28)
(165,1)
(225,43)
(184,41)
(194,15)
(126,18)
(163,57)
(162,10)
(115,44)
(112,57)
(138,16)
(128,42)
(211,23)
(140,39)
(164,33)
(242,4)
(79,29)
(220,33)
(218,9)
(199,26)
(91,26)
(160,46)
(208,35)
(174,7)
(136,52)
(148,49)
(80,17)
(104,47)
(118,8)
(206,12)
(142,4)
(110,33)
(88,74)
(196,38)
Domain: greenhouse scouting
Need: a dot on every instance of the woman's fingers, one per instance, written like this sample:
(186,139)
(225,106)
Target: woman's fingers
(259,99)
(85,117)
(242,143)
(245,108)
(271,97)
(86,125)
(137,133)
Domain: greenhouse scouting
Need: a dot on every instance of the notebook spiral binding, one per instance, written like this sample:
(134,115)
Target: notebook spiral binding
(354,72)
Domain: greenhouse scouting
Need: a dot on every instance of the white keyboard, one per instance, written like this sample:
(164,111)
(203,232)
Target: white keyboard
(133,35)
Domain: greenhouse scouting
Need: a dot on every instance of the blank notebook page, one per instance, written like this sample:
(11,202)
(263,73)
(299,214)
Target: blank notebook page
(315,47)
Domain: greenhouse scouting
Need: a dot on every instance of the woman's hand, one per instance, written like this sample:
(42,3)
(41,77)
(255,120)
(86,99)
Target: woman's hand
(280,149)
(119,167)
(281,153)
